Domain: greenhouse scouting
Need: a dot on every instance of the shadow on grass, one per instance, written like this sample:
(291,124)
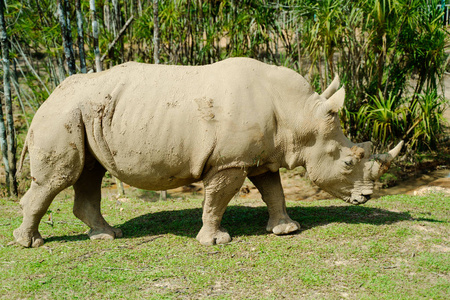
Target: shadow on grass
(241,220)
(67,238)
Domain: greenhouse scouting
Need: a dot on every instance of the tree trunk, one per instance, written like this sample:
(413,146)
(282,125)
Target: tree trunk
(7,133)
(61,69)
(139,5)
(66,35)
(155,32)
(299,50)
(117,24)
(107,15)
(19,49)
(115,17)
(80,37)
(98,63)
(163,194)
(120,187)
(99,68)
(120,34)
(17,89)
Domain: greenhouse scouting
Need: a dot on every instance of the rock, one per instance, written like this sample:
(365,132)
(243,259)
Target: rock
(441,185)
(431,190)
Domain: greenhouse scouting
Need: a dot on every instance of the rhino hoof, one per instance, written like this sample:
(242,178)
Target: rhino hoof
(28,240)
(102,234)
(37,242)
(220,236)
(118,232)
(286,228)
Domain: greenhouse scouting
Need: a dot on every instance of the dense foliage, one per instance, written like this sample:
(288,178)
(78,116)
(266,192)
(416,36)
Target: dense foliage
(390,54)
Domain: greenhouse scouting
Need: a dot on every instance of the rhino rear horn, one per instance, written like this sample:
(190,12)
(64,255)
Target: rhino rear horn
(332,88)
(336,101)
(358,152)
(367,146)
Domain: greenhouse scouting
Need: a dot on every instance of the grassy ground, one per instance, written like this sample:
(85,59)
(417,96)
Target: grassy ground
(396,247)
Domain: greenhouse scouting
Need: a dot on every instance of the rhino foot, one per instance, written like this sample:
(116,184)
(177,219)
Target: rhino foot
(28,239)
(209,237)
(105,234)
(283,227)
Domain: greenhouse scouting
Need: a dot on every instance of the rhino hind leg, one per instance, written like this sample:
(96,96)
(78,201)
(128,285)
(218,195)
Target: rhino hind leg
(87,201)
(52,178)
(34,205)
(269,185)
(56,161)
(220,187)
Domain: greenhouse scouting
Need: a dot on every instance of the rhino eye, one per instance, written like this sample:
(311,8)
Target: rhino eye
(331,148)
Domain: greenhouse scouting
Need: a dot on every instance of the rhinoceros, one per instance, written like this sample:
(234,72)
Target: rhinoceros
(158,127)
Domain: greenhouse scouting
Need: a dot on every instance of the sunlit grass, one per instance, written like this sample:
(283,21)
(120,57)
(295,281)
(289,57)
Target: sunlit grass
(396,247)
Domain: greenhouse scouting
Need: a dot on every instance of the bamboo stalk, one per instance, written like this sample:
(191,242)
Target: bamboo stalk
(107,15)
(98,62)
(16,88)
(163,194)
(155,32)
(80,37)
(19,97)
(27,96)
(10,167)
(61,69)
(117,21)
(113,43)
(120,187)
(52,72)
(66,35)
(19,93)
(19,49)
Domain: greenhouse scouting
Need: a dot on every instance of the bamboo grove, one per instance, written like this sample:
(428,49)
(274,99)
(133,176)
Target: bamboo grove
(390,54)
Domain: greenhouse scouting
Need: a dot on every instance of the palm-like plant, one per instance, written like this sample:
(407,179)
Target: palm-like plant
(383,119)
(323,27)
(427,112)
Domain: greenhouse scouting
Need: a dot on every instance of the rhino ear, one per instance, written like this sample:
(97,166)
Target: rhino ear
(332,88)
(335,102)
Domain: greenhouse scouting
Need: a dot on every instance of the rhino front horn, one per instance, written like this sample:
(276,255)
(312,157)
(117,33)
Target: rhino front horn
(382,161)
(386,158)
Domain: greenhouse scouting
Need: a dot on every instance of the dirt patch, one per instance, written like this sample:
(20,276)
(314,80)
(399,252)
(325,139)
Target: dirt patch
(296,186)
(410,186)
(447,93)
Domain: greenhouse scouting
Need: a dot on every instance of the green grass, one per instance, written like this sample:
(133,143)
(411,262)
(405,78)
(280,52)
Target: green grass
(396,247)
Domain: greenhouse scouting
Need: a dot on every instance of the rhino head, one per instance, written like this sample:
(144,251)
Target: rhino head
(342,168)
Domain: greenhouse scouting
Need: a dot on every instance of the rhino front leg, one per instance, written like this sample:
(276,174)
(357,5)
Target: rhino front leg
(220,187)
(87,201)
(269,185)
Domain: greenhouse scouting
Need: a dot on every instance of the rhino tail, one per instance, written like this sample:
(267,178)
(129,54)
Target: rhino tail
(22,157)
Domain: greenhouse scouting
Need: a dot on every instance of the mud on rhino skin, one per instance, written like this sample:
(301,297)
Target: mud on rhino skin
(158,127)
